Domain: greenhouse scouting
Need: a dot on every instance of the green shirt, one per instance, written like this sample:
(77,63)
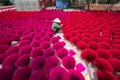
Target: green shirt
(55,26)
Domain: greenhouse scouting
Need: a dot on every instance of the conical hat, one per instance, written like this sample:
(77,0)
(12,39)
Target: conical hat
(57,20)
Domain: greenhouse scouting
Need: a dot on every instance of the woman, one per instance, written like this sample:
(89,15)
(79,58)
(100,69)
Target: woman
(56,26)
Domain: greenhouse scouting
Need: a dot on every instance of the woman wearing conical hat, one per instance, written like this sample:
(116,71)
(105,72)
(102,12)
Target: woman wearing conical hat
(56,26)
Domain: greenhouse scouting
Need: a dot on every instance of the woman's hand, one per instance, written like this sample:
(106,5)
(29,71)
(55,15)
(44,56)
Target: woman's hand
(61,24)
